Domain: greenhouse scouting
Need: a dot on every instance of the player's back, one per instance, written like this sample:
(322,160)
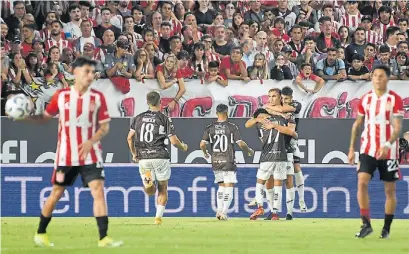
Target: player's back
(274,142)
(222,136)
(152,128)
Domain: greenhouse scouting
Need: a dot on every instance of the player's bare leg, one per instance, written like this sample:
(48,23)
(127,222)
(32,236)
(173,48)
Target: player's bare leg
(150,191)
(270,196)
(278,195)
(162,200)
(227,199)
(101,214)
(390,207)
(299,184)
(41,238)
(219,202)
(289,196)
(259,199)
(363,201)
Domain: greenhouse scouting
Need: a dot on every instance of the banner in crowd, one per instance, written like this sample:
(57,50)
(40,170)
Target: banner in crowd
(334,100)
(321,141)
(330,192)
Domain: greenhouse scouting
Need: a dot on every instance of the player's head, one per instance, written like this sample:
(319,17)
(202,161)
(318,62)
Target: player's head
(274,97)
(261,112)
(153,99)
(84,71)
(287,95)
(380,77)
(222,110)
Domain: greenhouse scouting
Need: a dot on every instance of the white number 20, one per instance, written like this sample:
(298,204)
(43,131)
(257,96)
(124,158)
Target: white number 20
(221,142)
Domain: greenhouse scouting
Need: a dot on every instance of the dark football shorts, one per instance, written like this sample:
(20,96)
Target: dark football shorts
(66,175)
(388,169)
(296,159)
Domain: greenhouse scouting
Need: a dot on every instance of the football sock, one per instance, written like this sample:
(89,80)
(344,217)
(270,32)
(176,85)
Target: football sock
(259,194)
(278,193)
(270,198)
(366,219)
(299,183)
(219,202)
(289,198)
(102,223)
(388,222)
(43,224)
(228,197)
(160,209)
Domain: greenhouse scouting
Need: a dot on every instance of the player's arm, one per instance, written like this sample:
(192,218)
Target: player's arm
(287,130)
(203,147)
(42,118)
(174,140)
(281,109)
(130,138)
(50,111)
(101,132)
(253,121)
(243,146)
(355,127)
(397,129)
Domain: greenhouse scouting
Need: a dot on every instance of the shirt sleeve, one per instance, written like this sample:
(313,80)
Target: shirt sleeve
(206,134)
(361,110)
(170,128)
(133,124)
(341,64)
(236,134)
(398,107)
(52,108)
(320,65)
(103,115)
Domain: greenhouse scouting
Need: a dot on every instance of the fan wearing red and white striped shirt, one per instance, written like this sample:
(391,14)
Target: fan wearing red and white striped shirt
(385,21)
(83,122)
(381,113)
(352,18)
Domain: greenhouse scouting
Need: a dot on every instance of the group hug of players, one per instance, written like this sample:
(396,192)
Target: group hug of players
(276,126)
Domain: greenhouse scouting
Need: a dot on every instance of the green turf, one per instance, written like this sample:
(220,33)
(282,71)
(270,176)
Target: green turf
(207,235)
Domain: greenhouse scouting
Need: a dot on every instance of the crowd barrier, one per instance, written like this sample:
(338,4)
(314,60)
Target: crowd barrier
(334,100)
(330,192)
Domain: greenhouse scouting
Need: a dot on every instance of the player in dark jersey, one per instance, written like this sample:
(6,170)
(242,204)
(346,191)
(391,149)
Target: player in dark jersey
(273,161)
(222,135)
(146,140)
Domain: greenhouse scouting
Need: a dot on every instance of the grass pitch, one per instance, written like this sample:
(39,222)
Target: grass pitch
(206,235)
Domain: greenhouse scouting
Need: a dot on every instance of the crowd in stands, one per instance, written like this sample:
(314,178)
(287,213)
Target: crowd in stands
(214,41)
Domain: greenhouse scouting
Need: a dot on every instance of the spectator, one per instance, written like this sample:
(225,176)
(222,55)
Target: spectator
(385,21)
(34,67)
(106,24)
(91,52)
(358,71)
(214,75)
(403,26)
(370,35)
(325,40)
(309,55)
(144,68)
(403,46)
(255,13)
(369,55)
(276,46)
(328,11)
(84,9)
(38,49)
(296,43)
(401,37)
(279,30)
(233,67)
(385,59)
(72,29)
(56,38)
(258,70)
(123,8)
(4,32)
(261,47)
(403,65)
(281,71)
(344,36)
(119,63)
(180,11)
(392,39)
(116,17)
(188,40)
(237,20)
(28,37)
(67,56)
(287,52)
(156,20)
(183,60)
(306,74)
(254,28)
(198,61)
(137,14)
(204,15)
(164,44)
(168,75)
(5,62)
(229,12)
(54,56)
(220,45)
(304,8)
(243,33)
(107,46)
(53,76)
(331,68)
(352,17)
(288,16)
(45,33)
(358,46)
(14,21)
(169,17)
(153,58)
(129,26)
(248,52)
(211,55)
(86,31)
(175,44)
(18,74)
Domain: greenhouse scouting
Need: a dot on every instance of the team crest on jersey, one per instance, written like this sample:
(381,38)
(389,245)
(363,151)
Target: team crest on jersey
(219,127)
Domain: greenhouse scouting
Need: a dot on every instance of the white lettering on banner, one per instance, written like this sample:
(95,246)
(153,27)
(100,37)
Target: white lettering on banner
(64,198)
(326,191)
(406,210)
(6,155)
(335,155)
(125,193)
(23,187)
(194,189)
(234,207)
(334,100)
(45,157)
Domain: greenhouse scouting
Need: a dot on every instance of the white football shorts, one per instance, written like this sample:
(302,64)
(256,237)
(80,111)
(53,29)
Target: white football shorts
(160,168)
(225,177)
(277,169)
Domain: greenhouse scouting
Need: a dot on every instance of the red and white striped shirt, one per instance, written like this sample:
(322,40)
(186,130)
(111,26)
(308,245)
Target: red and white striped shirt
(79,118)
(378,113)
(61,44)
(373,37)
(383,27)
(351,21)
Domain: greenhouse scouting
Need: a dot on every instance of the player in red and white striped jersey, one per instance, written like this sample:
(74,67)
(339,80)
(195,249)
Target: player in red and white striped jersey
(381,113)
(83,122)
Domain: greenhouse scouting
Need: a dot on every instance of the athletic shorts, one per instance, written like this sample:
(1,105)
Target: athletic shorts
(225,177)
(388,169)
(66,175)
(277,169)
(160,168)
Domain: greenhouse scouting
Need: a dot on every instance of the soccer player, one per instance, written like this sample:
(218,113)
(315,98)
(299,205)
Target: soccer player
(83,122)
(381,113)
(273,160)
(146,139)
(222,135)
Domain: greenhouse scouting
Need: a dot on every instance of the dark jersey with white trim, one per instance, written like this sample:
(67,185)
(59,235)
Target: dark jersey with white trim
(295,104)
(222,136)
(290,148)
(152,128)
(274,142)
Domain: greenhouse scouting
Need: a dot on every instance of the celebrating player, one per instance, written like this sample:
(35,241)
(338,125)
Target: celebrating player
(146,140)
(222,136)
(273,160)
(382,110)
(83,122)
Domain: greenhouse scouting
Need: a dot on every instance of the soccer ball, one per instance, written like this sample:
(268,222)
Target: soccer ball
(18,106)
